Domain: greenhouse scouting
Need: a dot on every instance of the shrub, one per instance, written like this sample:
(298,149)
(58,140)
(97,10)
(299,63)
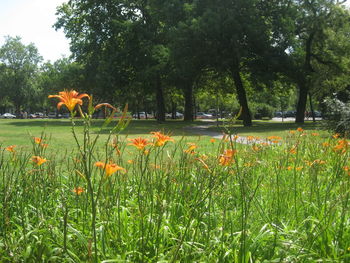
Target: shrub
(338,115)
(262,111)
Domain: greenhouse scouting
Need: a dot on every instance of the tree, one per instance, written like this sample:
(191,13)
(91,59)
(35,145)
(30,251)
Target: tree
(19,65)
(237,37)
(120,43)
(310,29)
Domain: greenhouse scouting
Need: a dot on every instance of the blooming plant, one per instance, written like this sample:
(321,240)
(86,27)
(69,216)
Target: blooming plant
(72,100)
(158,198)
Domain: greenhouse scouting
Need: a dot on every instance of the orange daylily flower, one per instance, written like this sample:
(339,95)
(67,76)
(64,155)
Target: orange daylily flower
(110,168)
(342,146)
(315,162)
(226,158)
(256,148)
(78,190)
(315,134)
(336,136)
(191,148)
(274,138)
(38,160)
(212,140)
(161,139)
(250,138)
(69,98)
(300,129)
(325,144)
(10,148)
(235,138)
(37,140)
(139,143)
(293,150)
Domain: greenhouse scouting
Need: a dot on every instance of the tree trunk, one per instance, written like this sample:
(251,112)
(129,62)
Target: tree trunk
(302,100)
(304,81)
(312,108)
(173,110)
(188,93)
(160,100)
(242,98)
(18,109)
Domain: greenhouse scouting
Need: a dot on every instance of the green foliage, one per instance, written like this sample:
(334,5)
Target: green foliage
(261,110)
(19,66)
(261,204)
(338,115)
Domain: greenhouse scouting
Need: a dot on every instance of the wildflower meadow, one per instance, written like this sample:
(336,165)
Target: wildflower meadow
(159,199)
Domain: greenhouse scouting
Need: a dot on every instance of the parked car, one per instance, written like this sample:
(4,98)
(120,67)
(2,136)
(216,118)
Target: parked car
(317,114)
(39,114)
(53,115)
(178,115)
(278,114)
(289,114)
(142,115)
(65,115)
(203,115)
(8,116)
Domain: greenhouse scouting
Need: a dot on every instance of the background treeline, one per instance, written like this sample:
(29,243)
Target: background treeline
(167,56)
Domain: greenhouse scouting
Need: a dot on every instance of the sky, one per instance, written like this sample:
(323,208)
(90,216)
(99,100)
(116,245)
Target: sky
(32,20)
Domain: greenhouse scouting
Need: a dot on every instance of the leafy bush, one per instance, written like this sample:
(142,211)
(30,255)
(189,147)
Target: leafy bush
(338,115)
(262,111)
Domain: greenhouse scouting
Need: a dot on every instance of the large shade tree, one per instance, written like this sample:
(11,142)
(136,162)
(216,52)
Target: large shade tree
(309,29)
(19,66)
(237,38)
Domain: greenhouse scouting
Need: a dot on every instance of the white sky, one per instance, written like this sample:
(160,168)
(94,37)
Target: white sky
(32,20)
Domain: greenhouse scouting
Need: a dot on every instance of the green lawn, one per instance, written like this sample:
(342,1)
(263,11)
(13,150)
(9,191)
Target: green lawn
(264,129)
(19,132)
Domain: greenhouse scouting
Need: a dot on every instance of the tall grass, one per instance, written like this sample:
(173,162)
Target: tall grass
(276,201)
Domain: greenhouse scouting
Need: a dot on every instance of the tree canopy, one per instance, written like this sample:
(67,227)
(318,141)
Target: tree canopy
(161,56)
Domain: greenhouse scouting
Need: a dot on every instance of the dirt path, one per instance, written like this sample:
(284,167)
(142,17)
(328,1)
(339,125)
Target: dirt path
(204,130)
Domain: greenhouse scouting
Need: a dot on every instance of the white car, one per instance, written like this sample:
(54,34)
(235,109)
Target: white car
(8,116)
(178,115)
(202,115)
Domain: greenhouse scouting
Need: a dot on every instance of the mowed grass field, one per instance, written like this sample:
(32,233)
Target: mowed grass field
(58,131)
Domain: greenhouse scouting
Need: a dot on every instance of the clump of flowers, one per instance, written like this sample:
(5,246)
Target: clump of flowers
(11,148)
(39,160)
(341,147)
(274,139)
(109,168)
(161,139)
(191,147)
(227,158)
